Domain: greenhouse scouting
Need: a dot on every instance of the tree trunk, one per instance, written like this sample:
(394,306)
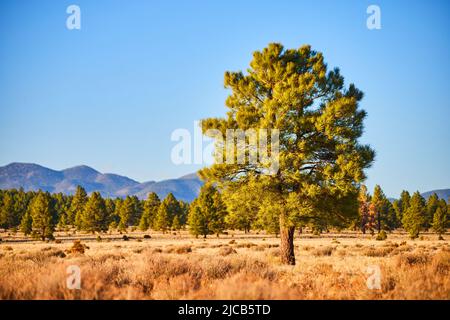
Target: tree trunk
(287,242)
(379,222)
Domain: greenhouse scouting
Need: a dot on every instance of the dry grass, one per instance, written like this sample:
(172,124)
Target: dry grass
(245,267)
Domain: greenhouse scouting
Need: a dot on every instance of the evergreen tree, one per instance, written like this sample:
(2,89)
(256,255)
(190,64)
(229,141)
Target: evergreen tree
(76,207)
(95,215)
(167,211)
(26,224)
(431,207)
(198,224)
(163,217)
(379,205)
(268,218)
(176,224)
(20,206)
(402,204)
(151,206)
(319,121)
(413,217)
(137,212)
(207,212)
(242,206)
(7,213)
(110,206)
(183,212)
(43,216)
(115,217)
(127,213)
(364,202)
(62,207)
(391,220)
(440,221)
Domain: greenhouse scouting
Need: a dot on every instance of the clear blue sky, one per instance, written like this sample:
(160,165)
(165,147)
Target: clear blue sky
(109,95)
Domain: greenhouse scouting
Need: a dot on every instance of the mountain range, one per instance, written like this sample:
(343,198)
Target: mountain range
(30,176)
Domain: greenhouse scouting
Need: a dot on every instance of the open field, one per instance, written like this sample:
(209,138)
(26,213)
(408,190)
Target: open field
(234,266)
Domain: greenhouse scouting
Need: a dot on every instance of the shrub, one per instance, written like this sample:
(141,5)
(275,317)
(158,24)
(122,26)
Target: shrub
(412,259)
(441,262)
(245,245)
(381,236)
(125,237)
(378,252)
(77,248)
(225,251)
(183,249)
(179,249)
(52,252)
(323,251)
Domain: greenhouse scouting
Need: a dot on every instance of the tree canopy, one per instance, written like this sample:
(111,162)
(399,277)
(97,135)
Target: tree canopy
(321,162)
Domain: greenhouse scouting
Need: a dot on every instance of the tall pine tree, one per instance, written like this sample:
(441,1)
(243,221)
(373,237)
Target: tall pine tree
(95,215)
(43,216)
(151,206)
(321,163)
(413,217)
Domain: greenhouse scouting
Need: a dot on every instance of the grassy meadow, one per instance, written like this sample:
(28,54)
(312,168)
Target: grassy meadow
(233,266)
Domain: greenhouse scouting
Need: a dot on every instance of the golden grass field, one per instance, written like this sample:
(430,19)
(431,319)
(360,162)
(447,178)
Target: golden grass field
(234,266)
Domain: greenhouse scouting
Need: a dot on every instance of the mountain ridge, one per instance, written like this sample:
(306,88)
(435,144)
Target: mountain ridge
(32,177)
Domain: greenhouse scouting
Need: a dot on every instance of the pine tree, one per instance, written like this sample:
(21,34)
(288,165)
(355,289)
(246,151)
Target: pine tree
(320,123)
(163,217)
(363,201)
(176,225)
(414,215)
(110,208)
(431,207)
(379,205)
(62,207)
(242,206)
(114,219)
(268,217)
(43,215)
(198,224)
(402,204)
(151,206)
(440,221)
(183,213)
(167,211)
(137,212)
(127,213)
(95,215)
(391,220)
(26,224)
(207,212)
(7,218)
(76,207)
(20,206)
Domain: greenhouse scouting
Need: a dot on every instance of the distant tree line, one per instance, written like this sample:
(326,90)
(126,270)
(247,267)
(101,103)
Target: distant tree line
(39,213)
(412,213)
